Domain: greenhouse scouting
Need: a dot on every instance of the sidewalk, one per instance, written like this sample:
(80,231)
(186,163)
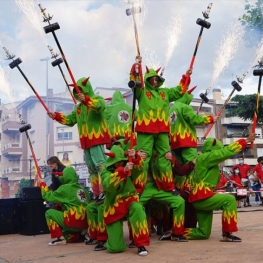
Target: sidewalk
(34,249)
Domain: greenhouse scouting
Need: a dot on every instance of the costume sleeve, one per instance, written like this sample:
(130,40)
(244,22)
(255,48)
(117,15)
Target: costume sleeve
(69,120)
(176,93)
(135,77)
(111,181)
(217,156)
(96,104)
(58,196)
(181,170)
(137,167)
(192,118)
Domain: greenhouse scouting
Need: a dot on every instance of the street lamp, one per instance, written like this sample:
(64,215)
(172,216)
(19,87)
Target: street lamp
(47,118)
(63,138)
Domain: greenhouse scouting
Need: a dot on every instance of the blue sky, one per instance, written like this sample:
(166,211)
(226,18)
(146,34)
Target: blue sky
(97,38)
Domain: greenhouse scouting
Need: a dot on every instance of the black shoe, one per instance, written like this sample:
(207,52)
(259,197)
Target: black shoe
(100,199)
(100,246)
(178,238)
(58,241)
(132,245)
(228,237)
(142,251)
(91,241)
(249,205)
(175,192)
(166,236)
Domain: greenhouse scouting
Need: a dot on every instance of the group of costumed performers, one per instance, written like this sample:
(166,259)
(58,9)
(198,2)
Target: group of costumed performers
(161,165)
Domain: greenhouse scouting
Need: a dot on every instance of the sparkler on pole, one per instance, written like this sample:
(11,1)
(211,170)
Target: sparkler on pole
(25,129)
(235,87)
(204,98)
(204,24)
(51,28)
(132,11)
(57,62)
(16,63)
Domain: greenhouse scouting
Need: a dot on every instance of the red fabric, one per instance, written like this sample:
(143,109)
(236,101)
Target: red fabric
(259,172)
(236,179)
(222,181)
(182,170)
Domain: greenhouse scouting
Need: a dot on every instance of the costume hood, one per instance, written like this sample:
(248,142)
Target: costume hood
(115,155)
(117,98)
(69,176)
(86,89)
(212,144)
(152,73)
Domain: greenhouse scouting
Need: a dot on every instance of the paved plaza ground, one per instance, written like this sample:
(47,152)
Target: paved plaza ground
(34,249)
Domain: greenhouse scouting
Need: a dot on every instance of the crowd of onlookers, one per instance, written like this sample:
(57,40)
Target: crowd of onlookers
(244,181)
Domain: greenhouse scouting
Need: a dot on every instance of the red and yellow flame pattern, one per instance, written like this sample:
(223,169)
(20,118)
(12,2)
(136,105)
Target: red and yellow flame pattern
(229,221)
(76,217)
(200,192)
(178,224)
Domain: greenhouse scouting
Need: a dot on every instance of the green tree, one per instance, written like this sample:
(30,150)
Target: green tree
(23,183)
(252,20)
(245,107)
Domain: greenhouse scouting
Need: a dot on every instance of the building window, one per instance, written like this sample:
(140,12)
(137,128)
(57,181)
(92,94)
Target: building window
(260,152)
(63,134)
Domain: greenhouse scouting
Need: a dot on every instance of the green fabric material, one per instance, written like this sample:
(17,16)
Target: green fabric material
(137,219)
(119,115)
(87,90)
(66,194)
(119,156)
(176,203)
(115,242)
(95,156)
(147,76)
(57,216)
(204,209)
(160,143)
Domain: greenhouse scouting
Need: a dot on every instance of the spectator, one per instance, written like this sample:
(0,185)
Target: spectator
(254,182)
(235,178)
(244,172)
(258,171)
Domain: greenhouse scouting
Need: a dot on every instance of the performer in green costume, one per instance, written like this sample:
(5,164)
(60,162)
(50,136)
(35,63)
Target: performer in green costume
(73,199)
(152,125)
(121,199)
(183,139)
(183,120)
(119,116)
(92,128)
(203,197)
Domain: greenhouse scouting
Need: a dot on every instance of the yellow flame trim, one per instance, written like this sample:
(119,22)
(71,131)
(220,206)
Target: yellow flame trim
(227,215)
(161,116)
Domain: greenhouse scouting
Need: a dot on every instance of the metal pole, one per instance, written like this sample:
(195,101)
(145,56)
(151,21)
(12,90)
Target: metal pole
(47,118)
(30,167)
(63,139)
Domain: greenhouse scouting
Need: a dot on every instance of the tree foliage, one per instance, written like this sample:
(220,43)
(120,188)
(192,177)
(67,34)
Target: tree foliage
(23,183)
(254,15)
(245,107)
(252,20)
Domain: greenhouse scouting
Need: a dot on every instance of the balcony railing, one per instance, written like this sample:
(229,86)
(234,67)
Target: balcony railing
(11,126)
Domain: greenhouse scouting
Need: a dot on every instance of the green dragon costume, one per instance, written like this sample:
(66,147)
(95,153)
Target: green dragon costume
(121,199)
(203,197)
(92,128)
(119,116)
(74,199)
(153,126)
(183,120)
